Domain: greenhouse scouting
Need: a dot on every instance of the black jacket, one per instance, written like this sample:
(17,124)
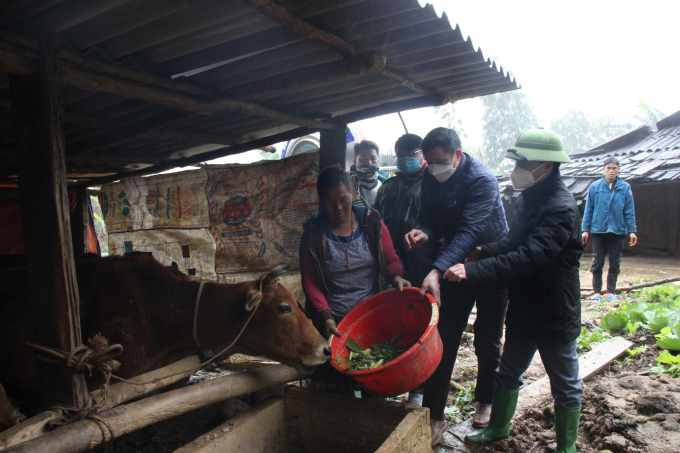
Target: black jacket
(539,260)
(465,211)
(398,202)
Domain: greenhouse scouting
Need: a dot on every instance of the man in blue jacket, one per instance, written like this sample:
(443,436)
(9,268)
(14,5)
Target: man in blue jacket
(608,217)
(460,202)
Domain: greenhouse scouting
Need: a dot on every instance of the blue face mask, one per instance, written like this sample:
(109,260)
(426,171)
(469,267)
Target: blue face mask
(409,165)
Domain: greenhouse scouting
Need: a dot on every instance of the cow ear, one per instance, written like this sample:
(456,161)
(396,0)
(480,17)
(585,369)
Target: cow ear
(253,299)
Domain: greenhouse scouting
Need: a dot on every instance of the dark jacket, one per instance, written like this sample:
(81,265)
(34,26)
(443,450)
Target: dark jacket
(313,246)
(398,202)
(539,260)
(609,210)
(465,210)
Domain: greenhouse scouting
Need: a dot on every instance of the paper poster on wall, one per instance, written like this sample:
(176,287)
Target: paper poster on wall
(193,250)
(257,211)
(176,200)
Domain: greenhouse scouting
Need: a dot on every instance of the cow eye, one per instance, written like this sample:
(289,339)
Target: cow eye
(285,309)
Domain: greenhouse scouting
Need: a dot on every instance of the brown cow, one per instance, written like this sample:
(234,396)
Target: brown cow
(149,309)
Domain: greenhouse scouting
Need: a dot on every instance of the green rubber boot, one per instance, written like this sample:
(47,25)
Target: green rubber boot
(502,410)
(566,428)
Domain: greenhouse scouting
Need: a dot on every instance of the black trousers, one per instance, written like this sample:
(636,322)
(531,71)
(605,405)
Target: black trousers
(608,244)
(457,302)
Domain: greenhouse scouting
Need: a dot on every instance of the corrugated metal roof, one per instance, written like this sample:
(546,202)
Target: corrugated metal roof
(226,45)
(645,155)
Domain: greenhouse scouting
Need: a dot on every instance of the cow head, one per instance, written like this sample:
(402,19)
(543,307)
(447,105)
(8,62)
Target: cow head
(279,329)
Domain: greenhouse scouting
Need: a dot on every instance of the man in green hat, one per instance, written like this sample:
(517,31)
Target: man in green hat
(539,260)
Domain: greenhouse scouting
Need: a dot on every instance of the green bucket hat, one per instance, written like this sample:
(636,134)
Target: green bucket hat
(538,145)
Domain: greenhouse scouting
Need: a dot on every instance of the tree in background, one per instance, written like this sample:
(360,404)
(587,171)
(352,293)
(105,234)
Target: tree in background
(650,114)
(579,133)
(505,116)
(448,114)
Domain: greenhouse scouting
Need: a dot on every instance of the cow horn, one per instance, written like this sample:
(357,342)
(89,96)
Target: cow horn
(270,278)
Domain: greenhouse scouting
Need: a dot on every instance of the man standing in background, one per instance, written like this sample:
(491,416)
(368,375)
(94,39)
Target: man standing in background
(398,202)
(609,215)
(365,173)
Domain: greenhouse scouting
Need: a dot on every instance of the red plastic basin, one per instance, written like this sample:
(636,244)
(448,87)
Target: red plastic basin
(377,320)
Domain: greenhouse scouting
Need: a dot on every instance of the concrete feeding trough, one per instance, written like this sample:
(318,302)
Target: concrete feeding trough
(310,421)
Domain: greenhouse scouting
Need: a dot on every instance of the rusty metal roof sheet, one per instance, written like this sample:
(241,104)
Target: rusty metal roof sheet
(226,46)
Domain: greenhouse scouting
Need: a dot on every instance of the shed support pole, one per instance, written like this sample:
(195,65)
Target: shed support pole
(333,147)
(80,220)
(37,108)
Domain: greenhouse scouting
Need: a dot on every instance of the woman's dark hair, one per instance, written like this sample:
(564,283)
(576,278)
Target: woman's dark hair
(408,142)
(448,139)
(332,177)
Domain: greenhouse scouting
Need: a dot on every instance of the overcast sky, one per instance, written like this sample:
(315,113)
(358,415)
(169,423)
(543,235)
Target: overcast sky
(598,56)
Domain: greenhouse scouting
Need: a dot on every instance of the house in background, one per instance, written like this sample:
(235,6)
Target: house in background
(650,163)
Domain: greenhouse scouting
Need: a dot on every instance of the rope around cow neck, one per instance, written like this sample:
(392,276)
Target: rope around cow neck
(198,301)
(103,362)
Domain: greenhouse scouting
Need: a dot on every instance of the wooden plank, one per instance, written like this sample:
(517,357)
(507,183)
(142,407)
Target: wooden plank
(411,435)
(333,146)
(260,429)
(590,364)
(86,434)
(79,222)
(673,217)
(38,110)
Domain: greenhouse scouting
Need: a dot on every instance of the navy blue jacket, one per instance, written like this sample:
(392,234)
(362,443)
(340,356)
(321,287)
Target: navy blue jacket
(466,210)
(609,210)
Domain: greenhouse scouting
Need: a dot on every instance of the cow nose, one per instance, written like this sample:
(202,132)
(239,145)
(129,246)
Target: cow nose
(327,353)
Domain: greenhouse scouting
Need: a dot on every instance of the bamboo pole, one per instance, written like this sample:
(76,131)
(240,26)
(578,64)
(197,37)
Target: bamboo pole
(119,393)
(86,434)
(638,286)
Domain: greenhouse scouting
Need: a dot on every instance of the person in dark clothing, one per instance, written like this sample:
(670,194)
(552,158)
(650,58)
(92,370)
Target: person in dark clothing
(539,260)
(460,202)
(398,202)
(608,216)
(509,204)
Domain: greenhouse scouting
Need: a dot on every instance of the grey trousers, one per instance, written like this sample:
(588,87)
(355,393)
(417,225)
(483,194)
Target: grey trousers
(559,359)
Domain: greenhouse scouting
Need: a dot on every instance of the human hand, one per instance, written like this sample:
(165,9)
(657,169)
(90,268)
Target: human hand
(633,239)
(415,238)
(331,328)
(586,235)
(456,273)
(400,283)
(474,255)
(431,285)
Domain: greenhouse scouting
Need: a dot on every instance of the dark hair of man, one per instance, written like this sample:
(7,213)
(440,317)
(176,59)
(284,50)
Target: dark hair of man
(365,144)
(448,139)
(332,177)
(408,142)
(611,160)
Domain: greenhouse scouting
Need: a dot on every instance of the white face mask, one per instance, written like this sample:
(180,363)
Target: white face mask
(523,179)
(441,172)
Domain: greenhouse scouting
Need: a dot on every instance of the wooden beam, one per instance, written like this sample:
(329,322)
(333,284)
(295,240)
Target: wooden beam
(301,27)
(38,108)
(79,222)
(310,32)
(86,434)
(94,122)
(8,7)
(20,60)
(119,393)
(333,146)
(360,65)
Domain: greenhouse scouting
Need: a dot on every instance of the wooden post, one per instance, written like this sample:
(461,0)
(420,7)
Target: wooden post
(37,107)
(333,147)
(79,221)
